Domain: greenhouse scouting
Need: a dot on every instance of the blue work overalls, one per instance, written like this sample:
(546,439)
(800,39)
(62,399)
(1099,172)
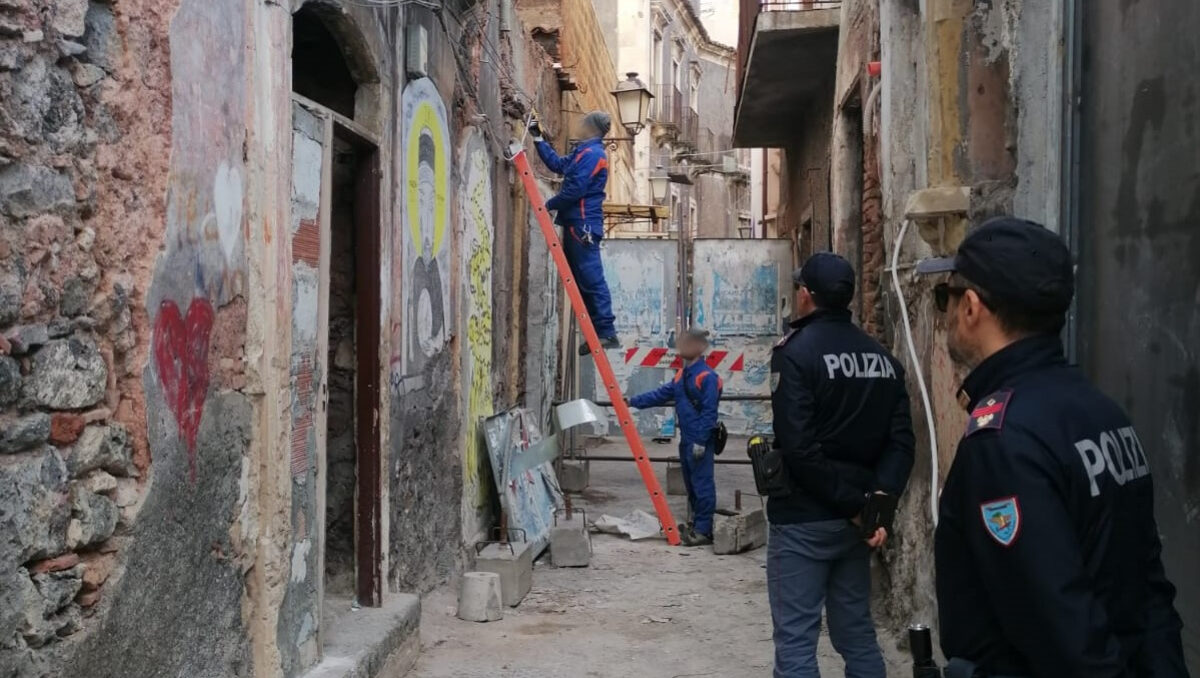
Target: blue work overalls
(580,211)
(696,392)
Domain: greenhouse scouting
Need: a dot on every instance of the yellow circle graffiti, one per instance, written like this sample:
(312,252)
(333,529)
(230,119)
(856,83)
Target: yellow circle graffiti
(426,122)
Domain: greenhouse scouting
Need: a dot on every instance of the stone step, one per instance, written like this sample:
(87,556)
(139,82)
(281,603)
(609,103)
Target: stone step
(372,642)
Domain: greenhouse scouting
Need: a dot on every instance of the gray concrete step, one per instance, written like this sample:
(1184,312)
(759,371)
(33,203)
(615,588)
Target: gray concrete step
(370,642)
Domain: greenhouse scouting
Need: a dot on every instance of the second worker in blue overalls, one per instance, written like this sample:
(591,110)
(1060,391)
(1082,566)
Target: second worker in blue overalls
(696,392)
(579,207)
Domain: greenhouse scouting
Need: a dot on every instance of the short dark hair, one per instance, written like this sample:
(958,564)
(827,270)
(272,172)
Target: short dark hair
(1014,320)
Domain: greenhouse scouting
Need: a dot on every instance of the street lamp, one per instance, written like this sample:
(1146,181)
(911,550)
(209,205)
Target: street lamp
(658,185)
(633,103)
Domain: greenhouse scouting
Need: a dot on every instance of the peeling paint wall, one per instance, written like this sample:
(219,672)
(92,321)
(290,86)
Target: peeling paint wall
(643,278)
(967,97)
(742,293)
(165,348)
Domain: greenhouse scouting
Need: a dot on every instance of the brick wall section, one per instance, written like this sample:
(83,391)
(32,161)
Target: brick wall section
(872,239)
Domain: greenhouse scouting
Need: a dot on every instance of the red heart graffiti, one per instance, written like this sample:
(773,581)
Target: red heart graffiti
(181,356)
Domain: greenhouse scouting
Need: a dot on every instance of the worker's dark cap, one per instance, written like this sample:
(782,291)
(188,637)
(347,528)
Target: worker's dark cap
(1014,261)
(829,278)
(696,332)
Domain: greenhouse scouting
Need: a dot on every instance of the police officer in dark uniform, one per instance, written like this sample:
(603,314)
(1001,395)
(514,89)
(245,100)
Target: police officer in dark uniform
(1047,551)
(844,429)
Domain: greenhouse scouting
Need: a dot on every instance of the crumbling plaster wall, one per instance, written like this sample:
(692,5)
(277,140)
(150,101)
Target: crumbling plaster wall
(146,315)
(484,80)
(967,98)
(85,105)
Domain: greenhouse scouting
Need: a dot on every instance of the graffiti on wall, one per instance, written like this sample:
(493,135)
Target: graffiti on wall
(426,303)
(181,357)
(476,211)
(201,268)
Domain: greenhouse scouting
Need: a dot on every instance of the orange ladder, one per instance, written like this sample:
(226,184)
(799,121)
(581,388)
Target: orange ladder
(657,496)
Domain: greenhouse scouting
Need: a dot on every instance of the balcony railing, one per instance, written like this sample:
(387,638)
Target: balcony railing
(689,127)
(748,19)
(668,106)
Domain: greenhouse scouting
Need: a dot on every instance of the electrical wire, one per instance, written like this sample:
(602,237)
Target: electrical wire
(912,354)
(488,46)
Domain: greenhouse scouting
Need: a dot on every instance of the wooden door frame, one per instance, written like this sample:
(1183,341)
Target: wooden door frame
(368,490)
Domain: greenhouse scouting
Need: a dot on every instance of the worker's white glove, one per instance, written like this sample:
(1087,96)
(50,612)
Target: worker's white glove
(697,452)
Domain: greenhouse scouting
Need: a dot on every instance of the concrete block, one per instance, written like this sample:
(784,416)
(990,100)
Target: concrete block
(513,562)
(573,475)
(479,597)
(742,531)
(939,201)
(675,484)
(570,543)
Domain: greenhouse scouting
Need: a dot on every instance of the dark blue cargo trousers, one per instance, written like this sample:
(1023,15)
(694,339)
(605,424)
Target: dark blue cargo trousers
(810,565)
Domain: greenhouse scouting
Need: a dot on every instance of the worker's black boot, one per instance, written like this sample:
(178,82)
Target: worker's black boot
(693,538)
(606,343)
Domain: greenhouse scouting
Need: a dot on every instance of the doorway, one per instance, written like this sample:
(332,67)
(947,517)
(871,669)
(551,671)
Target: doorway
(350,463)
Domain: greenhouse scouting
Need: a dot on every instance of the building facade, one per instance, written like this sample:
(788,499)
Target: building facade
(263,269)
(667,45)
(918,121)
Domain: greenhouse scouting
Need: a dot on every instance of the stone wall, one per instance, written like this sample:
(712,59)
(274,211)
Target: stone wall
(85,111)
(152,344)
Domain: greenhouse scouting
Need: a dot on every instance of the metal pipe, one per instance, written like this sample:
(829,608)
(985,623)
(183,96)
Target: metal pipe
(729,399)
(659,460)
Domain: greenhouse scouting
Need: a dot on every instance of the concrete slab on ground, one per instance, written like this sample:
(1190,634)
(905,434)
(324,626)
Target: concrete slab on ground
(641,609)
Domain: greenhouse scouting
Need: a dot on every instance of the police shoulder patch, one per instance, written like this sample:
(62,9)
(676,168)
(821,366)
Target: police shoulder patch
(989,414)
(1002,519)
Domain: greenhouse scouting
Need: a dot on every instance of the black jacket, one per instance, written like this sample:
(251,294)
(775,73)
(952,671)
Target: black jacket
(1047,552)
(841,418)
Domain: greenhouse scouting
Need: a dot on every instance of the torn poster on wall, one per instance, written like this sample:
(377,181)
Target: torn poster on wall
(528,493)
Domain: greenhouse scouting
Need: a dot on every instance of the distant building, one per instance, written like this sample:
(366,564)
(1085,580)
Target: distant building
(691,75)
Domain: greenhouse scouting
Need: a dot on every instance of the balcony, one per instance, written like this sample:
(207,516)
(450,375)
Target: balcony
(689,128)
(666,113)
(786,51)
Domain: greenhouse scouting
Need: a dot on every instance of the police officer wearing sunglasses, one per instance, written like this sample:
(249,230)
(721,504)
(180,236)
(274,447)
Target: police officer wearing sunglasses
(1047,553)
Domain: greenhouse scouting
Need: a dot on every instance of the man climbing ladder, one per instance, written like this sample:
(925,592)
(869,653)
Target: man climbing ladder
(624,417)
(579,208)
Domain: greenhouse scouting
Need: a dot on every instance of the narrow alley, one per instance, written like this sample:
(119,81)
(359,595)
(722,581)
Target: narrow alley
(599,338)
(640,608)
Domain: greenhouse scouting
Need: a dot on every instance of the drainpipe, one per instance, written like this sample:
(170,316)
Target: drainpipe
(506,15)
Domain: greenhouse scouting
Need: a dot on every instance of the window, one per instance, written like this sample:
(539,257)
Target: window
(693,218)
(656,59)
(694,88)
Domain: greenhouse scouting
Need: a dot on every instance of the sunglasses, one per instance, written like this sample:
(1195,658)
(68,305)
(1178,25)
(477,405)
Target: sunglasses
(942,293)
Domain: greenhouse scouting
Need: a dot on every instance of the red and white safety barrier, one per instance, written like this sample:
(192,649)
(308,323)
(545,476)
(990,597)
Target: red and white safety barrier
(664,357)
